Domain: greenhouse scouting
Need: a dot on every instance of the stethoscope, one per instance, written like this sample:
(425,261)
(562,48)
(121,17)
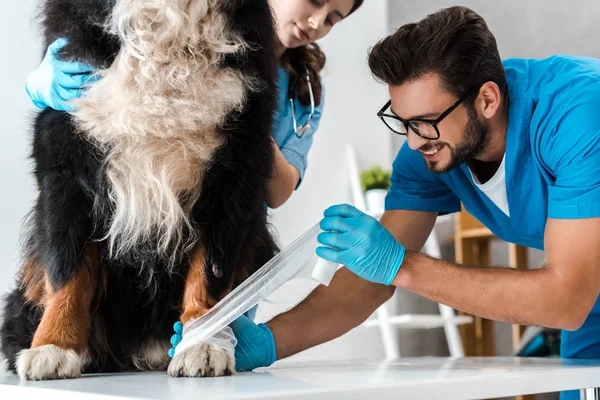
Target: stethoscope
(300,131)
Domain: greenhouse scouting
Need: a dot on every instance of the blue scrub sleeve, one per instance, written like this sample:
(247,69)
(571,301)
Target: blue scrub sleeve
(571,151)
(295,149)
(413,187)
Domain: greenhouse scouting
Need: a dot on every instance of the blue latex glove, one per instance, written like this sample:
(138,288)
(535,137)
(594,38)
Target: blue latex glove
(361,243)
(176,338)
(54,83)
(255,344)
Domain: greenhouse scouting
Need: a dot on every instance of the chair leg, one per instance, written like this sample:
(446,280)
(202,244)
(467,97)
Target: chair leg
(452,332)
(389,340)
(432,249)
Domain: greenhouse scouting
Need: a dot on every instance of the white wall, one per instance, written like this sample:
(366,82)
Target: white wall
(19,57)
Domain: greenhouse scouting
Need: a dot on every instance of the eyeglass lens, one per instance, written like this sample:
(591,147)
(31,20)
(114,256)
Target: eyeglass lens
(421,128)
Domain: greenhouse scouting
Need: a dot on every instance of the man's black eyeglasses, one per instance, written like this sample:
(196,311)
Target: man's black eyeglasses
(426,128)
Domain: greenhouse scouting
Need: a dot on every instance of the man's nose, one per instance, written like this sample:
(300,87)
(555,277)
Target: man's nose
(415,141)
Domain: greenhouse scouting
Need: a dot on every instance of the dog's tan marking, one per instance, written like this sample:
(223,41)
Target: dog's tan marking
(67,312)
(196,301)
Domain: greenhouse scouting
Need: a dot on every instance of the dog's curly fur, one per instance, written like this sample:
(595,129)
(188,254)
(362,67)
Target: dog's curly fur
(151,195)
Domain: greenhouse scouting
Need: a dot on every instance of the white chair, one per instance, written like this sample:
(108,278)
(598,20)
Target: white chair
(388,323)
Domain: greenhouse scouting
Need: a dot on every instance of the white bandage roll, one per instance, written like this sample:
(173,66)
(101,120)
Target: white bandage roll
(323,271)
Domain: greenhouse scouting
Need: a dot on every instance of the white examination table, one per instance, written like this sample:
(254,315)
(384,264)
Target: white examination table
(406,378)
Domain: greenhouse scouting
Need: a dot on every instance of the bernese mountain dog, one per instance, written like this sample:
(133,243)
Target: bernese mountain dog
(151,195)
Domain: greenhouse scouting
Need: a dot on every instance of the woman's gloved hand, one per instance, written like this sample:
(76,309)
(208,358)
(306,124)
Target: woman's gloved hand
(255,344)
(176,338)
(361,243)
(54,83)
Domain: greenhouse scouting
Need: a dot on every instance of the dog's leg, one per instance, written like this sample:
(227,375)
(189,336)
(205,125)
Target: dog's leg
(60,341)
(196,300)
(61,226)
(202,359)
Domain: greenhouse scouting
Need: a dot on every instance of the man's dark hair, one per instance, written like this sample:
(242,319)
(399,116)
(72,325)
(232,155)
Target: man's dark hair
(454,43)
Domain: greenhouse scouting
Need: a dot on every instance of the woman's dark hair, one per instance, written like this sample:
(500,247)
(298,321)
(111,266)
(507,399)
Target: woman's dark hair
(295,61)
(454,43)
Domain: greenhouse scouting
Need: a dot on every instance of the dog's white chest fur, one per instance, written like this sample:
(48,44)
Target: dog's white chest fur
(156,112)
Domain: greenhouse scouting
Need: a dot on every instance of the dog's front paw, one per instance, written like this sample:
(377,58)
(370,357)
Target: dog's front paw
(203,360)
(48,362)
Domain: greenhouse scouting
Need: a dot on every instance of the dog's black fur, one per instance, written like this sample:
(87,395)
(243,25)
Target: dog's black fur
(230,215)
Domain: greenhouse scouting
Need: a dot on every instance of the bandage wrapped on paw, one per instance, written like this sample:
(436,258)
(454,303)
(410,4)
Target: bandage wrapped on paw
(224,339)
(297,260)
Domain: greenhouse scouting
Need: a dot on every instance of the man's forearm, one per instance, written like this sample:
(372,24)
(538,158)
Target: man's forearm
(327,313)
(529,297)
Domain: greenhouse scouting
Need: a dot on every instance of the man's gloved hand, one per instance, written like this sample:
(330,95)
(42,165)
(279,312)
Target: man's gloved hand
(255,344)
(54,83)
(361,243)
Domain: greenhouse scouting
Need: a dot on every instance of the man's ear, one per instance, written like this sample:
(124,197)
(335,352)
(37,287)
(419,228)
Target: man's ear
(489,99)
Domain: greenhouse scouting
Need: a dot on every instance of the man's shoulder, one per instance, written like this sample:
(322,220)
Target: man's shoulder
(547,95)
(561,63)
(559,97)
(560,76)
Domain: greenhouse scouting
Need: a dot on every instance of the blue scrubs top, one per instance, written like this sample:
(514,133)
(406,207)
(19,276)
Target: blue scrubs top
(294,149)
(552,156)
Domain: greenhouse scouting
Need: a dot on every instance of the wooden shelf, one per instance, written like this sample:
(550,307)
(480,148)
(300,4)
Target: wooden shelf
(474,233)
